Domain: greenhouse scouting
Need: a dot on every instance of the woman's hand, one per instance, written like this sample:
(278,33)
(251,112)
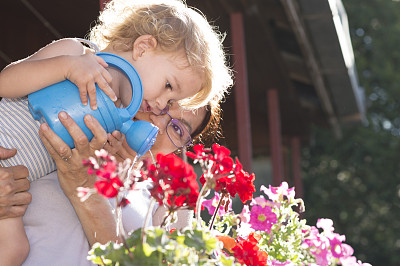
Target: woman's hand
(95,214)
(71,172)
(114,143)
(14,185)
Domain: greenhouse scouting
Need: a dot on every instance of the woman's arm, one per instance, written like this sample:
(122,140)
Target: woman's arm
(95,214)
(60,60)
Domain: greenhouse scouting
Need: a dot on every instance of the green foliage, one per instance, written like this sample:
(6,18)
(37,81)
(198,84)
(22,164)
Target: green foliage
(188,247)
(355,180)
(284,241)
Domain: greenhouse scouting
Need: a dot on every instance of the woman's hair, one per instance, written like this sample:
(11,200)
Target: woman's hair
(209,130)
(175,26)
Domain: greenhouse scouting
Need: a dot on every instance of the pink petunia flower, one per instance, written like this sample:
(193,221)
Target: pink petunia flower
(259,201)
(319,247)
(262,218)
(244,230)
(212,204)
(336,242)
(276,193)
(280,263)
(245,214)
(352,261)
(326,225)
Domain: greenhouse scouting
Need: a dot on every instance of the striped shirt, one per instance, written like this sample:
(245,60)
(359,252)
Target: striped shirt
(19,130)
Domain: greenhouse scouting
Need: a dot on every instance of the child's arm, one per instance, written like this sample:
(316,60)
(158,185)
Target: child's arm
(13,242)
(60,60)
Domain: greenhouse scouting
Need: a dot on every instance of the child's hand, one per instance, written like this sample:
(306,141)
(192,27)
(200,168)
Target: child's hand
(84,72)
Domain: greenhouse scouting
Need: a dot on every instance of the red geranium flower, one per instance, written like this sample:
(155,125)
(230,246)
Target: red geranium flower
(105,168)
(227,176)
(244,185)
(199,152)
(174,181)
(247,252)
(108,188)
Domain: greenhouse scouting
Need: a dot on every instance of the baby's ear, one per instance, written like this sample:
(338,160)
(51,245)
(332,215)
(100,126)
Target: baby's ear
(143,44)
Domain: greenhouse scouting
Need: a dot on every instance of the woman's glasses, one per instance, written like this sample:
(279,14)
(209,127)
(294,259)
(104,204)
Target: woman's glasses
(178,133)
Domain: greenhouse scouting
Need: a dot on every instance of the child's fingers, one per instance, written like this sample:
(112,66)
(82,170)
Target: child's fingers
(105,79)
(101,61)
(106,75)
(91,91)
(103,85)
(83,93)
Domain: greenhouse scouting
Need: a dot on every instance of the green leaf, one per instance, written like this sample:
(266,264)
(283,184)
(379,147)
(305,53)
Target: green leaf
(147,249)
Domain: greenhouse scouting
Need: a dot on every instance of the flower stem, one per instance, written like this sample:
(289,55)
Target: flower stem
(216,211)
(165,219)
(146,220)
(121,230)
(198,203)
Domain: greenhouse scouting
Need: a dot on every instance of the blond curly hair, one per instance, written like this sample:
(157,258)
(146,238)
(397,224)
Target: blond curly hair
(175,26)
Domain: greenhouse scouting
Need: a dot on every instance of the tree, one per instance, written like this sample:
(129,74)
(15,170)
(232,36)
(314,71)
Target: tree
(355,181)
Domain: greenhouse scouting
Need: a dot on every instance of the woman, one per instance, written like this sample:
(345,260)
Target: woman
(59,227)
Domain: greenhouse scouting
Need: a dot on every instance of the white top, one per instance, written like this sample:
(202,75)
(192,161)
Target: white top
(19,130)
(55,234)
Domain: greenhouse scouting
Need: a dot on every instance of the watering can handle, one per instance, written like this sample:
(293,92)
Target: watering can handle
(130,72)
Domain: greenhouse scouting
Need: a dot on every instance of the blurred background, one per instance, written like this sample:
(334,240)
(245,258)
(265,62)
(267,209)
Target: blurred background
(315,101)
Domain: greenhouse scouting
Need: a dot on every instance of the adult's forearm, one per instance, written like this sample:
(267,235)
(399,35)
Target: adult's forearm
(97,219)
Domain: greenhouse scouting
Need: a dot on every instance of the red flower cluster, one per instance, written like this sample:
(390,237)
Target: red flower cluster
(228,176)
(104,167)
(174,181)
(247,252)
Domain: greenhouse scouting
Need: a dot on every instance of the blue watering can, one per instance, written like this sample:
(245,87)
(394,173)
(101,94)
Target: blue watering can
(46,103)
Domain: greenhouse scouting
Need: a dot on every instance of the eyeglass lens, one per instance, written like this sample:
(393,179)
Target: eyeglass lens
(178,133)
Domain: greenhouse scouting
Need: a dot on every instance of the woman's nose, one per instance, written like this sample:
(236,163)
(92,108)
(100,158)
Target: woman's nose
(161,121)
(163,104)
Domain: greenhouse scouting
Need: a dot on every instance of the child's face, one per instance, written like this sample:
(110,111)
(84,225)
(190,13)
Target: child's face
(166,78)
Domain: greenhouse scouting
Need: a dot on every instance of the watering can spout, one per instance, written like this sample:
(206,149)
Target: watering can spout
(140,135)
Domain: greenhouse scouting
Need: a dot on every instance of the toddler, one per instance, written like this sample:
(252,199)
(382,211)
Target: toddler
(176,52)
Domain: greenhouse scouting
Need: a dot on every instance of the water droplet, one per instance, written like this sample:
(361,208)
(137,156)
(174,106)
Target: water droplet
(152,157)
